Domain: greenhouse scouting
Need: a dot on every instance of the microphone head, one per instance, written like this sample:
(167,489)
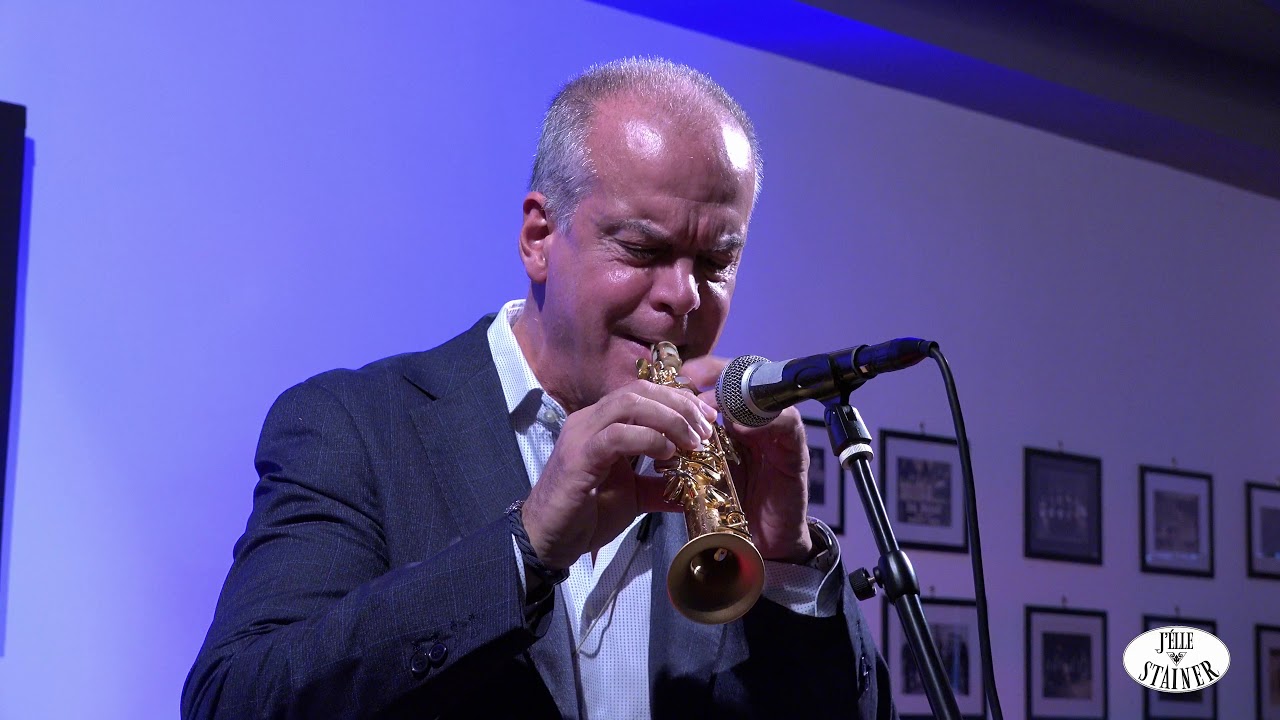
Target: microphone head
(733,392)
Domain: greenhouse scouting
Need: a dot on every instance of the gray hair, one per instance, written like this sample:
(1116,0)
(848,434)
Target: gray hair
(562,170)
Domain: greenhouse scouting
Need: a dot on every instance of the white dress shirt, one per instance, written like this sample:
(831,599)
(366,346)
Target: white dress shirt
(609,598)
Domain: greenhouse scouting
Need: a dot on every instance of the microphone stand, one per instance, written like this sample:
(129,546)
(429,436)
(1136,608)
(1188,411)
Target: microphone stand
(852,444)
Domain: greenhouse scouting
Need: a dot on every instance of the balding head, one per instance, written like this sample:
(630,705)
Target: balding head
(634,227)
(565,167)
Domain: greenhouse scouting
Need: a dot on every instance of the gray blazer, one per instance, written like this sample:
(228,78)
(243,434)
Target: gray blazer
(376,577)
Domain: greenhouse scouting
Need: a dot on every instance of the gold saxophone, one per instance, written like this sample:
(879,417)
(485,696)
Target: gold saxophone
(719,574)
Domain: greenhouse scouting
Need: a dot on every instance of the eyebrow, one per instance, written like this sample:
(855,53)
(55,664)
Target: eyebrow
(727,242)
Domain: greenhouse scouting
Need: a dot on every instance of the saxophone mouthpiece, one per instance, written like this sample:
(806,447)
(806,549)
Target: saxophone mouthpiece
(665,353)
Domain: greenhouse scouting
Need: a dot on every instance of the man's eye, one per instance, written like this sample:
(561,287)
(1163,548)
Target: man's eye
(716,264)
(642,253)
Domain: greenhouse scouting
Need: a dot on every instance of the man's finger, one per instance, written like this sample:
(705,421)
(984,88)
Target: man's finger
(640,395)
(618,441)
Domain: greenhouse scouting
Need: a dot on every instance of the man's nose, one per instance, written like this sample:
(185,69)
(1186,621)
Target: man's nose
(675,289)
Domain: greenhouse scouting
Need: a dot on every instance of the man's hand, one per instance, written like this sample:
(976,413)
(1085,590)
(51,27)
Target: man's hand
(772,481)
(588,493)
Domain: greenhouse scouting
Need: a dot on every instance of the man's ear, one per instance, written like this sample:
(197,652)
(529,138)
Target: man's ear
(536,233)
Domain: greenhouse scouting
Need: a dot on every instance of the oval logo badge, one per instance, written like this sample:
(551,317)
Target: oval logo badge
(1176,659)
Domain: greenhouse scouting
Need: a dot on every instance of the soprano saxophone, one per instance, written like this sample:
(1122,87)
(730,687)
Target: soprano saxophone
(719,574)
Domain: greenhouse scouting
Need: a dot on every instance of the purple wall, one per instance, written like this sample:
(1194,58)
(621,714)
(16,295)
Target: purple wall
(227,201)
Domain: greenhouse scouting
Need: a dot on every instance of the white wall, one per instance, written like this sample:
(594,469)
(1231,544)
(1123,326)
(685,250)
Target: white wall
(229,200)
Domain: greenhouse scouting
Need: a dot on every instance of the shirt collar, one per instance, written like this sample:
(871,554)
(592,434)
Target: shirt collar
(520,386)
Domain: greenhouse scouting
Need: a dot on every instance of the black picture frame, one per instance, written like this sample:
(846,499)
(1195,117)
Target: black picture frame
(1197,705)
(826,477)
(1061,506)
(1266,663)
(1262,529)
(923,490)
(1066,662)
(954,625)
(1176,508)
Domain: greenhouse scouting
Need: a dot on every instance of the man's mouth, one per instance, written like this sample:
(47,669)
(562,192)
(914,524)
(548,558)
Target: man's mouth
(646,345)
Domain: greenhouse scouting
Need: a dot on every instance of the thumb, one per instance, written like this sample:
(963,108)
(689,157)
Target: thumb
(709,397)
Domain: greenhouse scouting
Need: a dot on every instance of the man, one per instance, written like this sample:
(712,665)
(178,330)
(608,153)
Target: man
(386,572)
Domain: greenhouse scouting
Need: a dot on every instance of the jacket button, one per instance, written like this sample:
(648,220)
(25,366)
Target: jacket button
(437,653)
(420,661)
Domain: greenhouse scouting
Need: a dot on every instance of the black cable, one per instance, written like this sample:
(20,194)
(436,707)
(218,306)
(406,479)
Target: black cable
(975,545)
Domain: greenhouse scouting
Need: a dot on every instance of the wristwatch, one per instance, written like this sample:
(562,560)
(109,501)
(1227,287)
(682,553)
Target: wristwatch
(824,543)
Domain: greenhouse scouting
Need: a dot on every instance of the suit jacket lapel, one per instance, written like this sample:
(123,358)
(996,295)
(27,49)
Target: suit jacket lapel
(467,433)
(472,449)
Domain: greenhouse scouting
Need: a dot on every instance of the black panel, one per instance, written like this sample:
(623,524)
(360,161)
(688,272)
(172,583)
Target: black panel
(13,126)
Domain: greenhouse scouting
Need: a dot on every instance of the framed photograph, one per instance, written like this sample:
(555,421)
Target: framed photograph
(923,490)
(1262,523)
(1177,521)
(954,624)
(1066,664)
(826,477)
(1195,705)
(1061,506)
(1266,644)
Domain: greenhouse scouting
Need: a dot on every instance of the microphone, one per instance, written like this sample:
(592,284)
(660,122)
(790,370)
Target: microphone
(752,390)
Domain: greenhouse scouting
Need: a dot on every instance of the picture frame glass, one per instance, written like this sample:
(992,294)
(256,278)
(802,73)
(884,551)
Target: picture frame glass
(954,626)
(1067,666)
(923,490)
(1263,508)
(1062,506)
(1177,522)
(1267,641)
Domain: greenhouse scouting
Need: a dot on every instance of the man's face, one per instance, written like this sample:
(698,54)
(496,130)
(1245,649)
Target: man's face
(653,249)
